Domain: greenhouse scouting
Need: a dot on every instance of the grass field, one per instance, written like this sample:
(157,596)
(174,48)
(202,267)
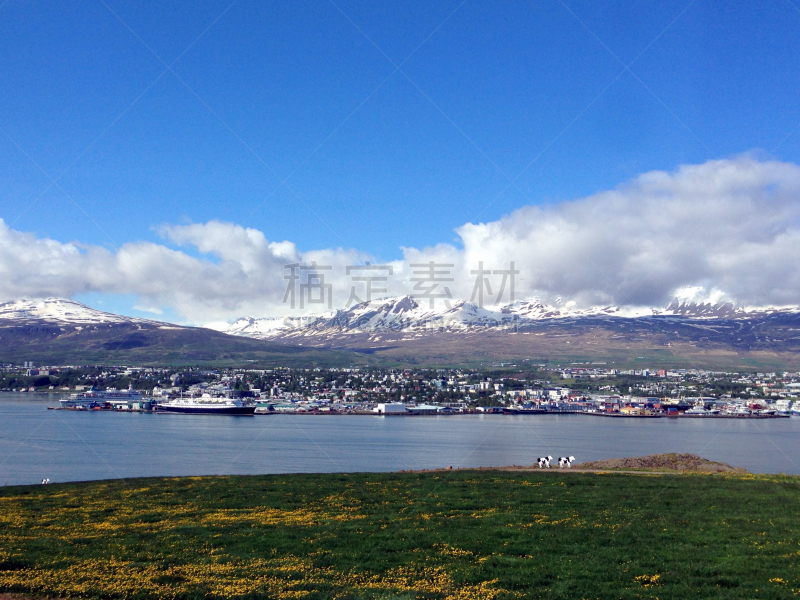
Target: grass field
(456,534)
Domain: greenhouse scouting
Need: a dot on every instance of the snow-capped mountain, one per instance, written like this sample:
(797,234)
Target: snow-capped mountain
(401,314)
(55,331)
(58,331)
(60,311)
(406,315)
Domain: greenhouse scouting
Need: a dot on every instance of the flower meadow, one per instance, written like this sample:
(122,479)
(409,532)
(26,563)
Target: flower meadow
(443,535)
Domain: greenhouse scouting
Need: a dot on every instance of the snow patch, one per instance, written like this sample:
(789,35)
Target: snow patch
(60,310)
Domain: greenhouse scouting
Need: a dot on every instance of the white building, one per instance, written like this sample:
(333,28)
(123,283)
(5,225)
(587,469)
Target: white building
(393,408)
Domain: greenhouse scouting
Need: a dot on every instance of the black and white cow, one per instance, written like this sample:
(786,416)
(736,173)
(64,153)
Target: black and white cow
(565,461)
(544,462)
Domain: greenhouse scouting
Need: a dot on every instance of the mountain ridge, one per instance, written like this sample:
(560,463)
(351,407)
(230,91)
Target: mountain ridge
(403,314)
(63,311)
(399,331)
(57,331)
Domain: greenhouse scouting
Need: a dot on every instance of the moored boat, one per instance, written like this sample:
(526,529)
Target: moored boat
(524,411)
(93,398)
(206,406)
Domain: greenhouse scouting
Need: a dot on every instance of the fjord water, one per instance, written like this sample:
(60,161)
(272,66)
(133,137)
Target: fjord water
(36,443)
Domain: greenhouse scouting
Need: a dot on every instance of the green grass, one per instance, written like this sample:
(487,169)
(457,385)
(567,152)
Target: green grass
(460,534)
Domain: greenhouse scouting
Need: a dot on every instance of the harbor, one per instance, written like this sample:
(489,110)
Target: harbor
(132,401)
(537,390)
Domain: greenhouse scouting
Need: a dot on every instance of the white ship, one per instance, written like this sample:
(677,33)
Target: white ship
(206,405)
(699,410)
(94,398)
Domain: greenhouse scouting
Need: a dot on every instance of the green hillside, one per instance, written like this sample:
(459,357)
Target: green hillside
(138,345)
(443,535)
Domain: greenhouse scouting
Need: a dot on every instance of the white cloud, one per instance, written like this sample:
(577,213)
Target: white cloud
(150,309)
(730,225)
(723,230)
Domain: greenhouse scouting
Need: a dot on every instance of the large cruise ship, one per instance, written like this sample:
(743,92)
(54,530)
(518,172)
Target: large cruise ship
(206,405)
(93,398)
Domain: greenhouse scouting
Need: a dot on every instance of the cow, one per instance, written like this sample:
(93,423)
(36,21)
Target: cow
(45,481)
(565,461)
(544,461)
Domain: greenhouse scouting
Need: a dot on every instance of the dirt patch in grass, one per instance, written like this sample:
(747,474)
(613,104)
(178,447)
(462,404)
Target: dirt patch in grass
(661,462)
(655,464)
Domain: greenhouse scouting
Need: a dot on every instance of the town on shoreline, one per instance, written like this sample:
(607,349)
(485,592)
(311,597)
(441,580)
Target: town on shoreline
(585,389)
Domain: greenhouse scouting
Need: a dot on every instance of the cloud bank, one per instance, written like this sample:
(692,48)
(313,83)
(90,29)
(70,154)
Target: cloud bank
(722,230)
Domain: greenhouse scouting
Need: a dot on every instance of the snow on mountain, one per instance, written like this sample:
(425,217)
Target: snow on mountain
(262,328)
(404,314)
(60,311)
(534,309)
(401,313)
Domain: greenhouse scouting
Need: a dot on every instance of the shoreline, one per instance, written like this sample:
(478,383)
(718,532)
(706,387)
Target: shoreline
(453,414)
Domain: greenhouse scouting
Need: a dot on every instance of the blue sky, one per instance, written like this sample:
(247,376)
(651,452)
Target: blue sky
(371,125)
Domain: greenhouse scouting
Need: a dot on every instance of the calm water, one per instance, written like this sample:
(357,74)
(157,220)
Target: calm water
(69,446)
